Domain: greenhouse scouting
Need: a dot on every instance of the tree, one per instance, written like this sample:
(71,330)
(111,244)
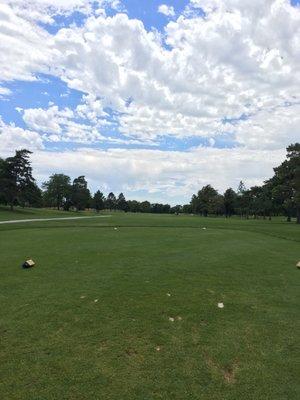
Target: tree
(80,194)
(145,207)
(243,200)
(16,176)
(111,201)
(285,184)
(122,203)
(2,177)
(98,201)
(158,208)
(230,198)
(31,196)
(176,209)
(187,209)
(260,201)
(57,190)
(217,205)
(205,201)
(134,206)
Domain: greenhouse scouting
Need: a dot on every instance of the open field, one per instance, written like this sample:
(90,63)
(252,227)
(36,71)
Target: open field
(92,320)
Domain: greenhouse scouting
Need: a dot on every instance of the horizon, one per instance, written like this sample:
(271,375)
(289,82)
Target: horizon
(152,99)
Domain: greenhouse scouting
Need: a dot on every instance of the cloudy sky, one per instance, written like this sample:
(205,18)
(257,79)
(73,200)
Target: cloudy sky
(152,98)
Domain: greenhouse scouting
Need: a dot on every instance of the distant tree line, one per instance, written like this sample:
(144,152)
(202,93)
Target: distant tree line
(280,195)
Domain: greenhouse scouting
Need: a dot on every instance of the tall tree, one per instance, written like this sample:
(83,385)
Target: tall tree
(2,177)
(145,207)
(205,201)
(243,200)
(122,203)
(229,202)
(134,206)
(80,194)
(285,183)
(99,201)
(31,196)
(57,190)
(111,201)
(16,176)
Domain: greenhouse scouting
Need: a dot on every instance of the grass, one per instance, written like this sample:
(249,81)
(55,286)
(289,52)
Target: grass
(57,342)
(30,213)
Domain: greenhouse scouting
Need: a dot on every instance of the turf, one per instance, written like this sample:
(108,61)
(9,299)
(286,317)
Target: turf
(91,320)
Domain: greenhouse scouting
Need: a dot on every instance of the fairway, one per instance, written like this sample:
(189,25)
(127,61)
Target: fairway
(126,308)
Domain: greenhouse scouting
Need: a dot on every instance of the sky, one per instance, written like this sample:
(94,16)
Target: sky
(154,99)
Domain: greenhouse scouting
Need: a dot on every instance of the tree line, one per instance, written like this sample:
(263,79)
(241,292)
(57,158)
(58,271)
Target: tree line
(279,195)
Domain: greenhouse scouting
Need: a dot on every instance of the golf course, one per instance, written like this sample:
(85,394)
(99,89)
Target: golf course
(126,306)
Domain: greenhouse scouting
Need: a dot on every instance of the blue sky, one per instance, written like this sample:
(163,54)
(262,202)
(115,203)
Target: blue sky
(160,90)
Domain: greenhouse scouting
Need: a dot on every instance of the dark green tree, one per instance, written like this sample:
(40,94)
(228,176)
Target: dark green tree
(16,177)
(230,198)
(217,205)
(80,194)
(111,201)
(122,203)
(205,201)
(285,184)
(187,209)
(145,207)
(2,177)
(134,206)
(176,209)
(243,200)
(31,196)
(99,201)
(57,190)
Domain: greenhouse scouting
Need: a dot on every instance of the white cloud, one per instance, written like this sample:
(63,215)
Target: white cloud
(13,137)
(166,10)
(80,126)
(4,91)
(45,10)
(241,59)
(165,176)
(24,47)
(271,128)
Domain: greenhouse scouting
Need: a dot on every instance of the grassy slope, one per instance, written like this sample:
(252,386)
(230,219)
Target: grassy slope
(29,213)
(57,345)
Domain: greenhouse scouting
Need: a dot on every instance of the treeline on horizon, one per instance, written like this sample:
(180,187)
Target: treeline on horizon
(280,195)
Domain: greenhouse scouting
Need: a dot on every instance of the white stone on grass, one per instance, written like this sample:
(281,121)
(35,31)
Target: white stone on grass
(171,319)
(220,305)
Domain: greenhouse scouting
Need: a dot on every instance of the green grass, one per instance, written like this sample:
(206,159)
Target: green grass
(30,213)
(58,343)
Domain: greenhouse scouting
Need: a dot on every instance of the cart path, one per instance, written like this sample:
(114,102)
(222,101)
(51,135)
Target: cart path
(18,221)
